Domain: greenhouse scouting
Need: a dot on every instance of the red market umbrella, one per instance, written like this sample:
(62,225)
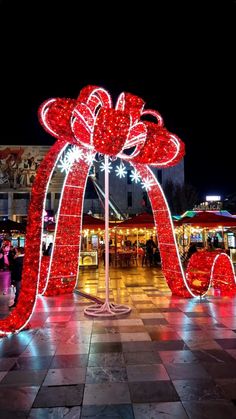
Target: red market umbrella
(138,221)
(207,219)
(89,222)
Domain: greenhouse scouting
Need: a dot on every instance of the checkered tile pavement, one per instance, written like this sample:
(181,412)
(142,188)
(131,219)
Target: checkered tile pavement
(170,357)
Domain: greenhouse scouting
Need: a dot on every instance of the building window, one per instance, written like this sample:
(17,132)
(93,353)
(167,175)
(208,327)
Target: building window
(145,199)
(129,199)
(3,195)
(49,195)
(21,195)
(159,175)
(57,196)
(129,181)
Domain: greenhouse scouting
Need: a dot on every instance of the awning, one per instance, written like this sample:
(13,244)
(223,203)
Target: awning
(89,222)
(138,221)
(207,219)
(9,225)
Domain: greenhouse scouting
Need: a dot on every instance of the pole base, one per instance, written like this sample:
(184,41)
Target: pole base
(106,309)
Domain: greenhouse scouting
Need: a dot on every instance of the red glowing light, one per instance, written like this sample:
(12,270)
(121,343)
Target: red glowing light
(92,123)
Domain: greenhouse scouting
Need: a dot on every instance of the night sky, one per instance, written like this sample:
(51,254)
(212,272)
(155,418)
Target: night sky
(180,60)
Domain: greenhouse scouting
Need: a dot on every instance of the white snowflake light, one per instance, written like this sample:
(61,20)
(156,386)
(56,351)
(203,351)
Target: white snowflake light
(64,165)
(89,157)
(147,184)
(121,171)
(76,153)
(102,167)
(72,155)
(135,176)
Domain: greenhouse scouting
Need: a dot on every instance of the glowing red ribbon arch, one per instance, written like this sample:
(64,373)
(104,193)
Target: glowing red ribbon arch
(91,123)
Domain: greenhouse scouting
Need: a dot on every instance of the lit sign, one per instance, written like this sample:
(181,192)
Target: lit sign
(212,198)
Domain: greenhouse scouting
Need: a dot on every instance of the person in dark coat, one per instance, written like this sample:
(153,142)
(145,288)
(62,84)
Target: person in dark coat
(16,273)
(48,250)
(216,241)
(150,246)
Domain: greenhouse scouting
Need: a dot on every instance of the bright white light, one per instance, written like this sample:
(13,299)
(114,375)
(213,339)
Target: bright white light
(211,198)
(75,154)
(147,184)
(121,171)
(72,155)
(64,165)
(102,167)
(89,157)
(69,157)
(135,176)
(44,112)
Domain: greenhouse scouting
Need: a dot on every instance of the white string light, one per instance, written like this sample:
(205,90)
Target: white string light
(64,165)
(121,171)
(102,167)
(147,184)
(89,157)
(74,154)
(135,176)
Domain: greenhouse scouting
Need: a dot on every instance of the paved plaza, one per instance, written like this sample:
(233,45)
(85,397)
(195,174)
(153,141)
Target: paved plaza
(169,358)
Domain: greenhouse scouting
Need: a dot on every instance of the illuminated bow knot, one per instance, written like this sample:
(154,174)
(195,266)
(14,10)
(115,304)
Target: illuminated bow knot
(122,132)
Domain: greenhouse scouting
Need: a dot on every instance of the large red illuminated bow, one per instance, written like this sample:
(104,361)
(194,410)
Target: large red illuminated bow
(121,131)
(91,122)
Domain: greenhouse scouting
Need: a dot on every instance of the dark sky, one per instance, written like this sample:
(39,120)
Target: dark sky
(180,59)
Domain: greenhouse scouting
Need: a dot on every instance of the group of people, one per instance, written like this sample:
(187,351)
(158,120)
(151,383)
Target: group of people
(213,241)
(12,259)
(17,169)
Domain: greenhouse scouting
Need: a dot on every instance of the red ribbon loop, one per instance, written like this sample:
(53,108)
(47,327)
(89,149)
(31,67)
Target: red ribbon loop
(91,121)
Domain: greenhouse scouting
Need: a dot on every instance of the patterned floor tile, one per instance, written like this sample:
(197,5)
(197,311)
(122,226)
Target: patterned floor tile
(198,390)
(106,374)
(166,350)
(177,357)
(55,413)
(23,378)
(153,391)
(216,409)
(17,398)
(65,376)
(59,396)
(153,372)
(106,394)
(186,371)
(122,411)
(106,359)
(159,410)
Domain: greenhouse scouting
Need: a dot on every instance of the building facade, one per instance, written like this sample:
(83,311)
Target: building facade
(18,168)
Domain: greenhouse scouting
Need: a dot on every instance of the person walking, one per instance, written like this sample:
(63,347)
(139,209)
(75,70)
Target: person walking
(4,256)
(48,251)
(150,246)
(16,273)
(215,241)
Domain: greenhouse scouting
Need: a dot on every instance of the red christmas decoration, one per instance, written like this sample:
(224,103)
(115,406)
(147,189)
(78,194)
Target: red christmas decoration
(92,124)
